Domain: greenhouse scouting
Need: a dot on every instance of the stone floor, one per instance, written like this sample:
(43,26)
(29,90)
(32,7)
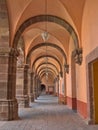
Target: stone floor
(47,114)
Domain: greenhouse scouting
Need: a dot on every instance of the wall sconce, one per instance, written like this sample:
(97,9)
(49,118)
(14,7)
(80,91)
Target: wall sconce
(66,67)
(77,54)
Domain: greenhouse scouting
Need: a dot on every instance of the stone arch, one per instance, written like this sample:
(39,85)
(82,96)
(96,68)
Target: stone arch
(49,18)
(47,44)
(49,63)
(48,68)
(43,73)
(42,56)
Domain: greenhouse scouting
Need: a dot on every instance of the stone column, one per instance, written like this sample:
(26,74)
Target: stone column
(8,102)
(29,82)
(23,86)
(55,87)
(26,96)
(20,86)
(57,80)
(31,87)
(39,87)
(62,96)
(37,83)
(65,97)
(35,86)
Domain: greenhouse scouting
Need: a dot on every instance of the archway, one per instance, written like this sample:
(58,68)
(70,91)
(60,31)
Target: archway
(49,18)
(43,88)
(50,56)
(47,44)
(49,63)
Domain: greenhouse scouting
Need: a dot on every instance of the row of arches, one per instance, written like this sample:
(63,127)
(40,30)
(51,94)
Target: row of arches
(34,65)
(71,33)
(54,19)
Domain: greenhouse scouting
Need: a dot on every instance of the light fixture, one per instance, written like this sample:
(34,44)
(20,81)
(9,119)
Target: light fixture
(66,66)
(45,34)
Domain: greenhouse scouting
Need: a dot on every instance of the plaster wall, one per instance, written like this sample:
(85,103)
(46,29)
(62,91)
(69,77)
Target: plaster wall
(89,43)
(68,76)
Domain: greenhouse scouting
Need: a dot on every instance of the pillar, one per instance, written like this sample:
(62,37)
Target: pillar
(62,95)
(55,88)
(25,93)
(8,102)
(23,86)
(20,87)
(39,87)
(57,80)
(31,96)
(65,93)
(35,86)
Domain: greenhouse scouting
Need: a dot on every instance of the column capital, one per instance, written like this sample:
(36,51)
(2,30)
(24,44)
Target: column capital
(7,51)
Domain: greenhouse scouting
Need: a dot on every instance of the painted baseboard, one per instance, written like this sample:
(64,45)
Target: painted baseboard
(78,105)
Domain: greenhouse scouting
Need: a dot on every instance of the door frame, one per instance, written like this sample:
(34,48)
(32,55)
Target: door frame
(91,57)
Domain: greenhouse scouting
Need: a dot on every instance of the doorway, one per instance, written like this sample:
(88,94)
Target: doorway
(43,88)
(93,91)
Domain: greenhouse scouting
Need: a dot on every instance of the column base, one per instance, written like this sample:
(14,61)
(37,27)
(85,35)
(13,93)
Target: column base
(8,110)
(23,101)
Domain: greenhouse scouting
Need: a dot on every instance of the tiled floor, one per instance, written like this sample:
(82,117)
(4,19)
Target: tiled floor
(47,114)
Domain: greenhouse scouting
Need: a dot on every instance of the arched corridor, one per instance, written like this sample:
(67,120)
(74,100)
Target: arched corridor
(47,114)
(49,60)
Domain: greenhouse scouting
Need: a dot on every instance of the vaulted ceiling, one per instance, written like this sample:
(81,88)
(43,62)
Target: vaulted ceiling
(62,19)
